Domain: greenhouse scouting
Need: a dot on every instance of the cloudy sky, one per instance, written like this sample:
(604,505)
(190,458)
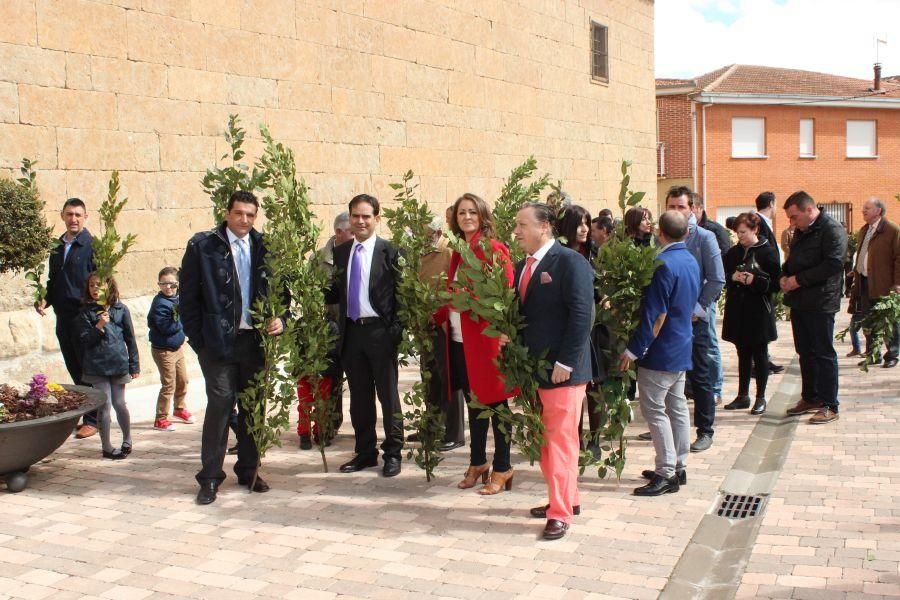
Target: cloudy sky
(829,36)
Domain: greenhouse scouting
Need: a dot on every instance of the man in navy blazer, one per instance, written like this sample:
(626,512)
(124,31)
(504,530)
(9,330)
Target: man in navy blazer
(365,286)
(556,294)
(662,346)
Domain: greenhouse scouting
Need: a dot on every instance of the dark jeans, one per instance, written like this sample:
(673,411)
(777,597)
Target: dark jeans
(701,379)
(438,389)
(370,361)
(814,343)
(747,355)
(67,334)
(892,342)
(478,428)
(224,381)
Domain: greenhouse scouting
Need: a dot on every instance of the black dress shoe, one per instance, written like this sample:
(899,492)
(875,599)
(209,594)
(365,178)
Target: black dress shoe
(739,403)
(260,486)
(775,369)
(658,486)
(232,450)
(358,463)
(645,436)
(877,361)
(413,438)
(681,475)
(207,493)
(890,363)
(759,406)
(554,529)
(540,512)
(391,467)
(448,446)
(115,455)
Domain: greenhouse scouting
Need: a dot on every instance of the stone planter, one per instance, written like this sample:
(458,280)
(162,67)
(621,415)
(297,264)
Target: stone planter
(24,443)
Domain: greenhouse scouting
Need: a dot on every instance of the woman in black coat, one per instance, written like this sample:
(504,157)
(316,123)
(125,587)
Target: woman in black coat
(751,276)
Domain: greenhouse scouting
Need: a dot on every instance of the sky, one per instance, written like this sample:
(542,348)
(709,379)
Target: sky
(829,36)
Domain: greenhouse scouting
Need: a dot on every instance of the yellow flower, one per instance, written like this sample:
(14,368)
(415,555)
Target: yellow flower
(55,387)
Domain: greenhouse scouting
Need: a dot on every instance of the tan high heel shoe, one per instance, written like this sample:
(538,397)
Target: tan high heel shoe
(472,475)
(498,481)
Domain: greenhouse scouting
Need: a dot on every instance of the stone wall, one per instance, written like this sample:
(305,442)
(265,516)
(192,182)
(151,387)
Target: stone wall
(460,91)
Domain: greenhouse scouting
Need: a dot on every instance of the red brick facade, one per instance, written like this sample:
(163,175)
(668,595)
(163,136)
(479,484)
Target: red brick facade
(673,114)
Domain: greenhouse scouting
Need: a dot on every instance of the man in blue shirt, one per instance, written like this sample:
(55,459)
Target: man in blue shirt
(662,347)
(703,246)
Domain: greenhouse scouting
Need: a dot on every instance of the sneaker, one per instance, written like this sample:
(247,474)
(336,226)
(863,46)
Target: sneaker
(184,416)
(826,415)
(703,442)
(163,425)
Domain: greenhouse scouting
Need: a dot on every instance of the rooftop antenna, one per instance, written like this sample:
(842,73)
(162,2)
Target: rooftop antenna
(879,39)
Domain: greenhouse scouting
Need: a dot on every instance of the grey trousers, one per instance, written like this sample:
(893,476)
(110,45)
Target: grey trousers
(664,407)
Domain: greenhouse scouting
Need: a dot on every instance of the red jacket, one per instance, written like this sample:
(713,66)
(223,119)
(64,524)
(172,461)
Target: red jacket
(481,351)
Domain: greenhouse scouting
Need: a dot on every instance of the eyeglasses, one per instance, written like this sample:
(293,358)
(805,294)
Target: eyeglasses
(166,284)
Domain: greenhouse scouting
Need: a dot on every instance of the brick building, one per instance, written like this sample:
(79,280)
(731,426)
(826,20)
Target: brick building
(362,90)
(743,129)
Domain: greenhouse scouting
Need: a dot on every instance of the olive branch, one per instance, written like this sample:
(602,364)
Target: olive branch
(110,248)
(220,183)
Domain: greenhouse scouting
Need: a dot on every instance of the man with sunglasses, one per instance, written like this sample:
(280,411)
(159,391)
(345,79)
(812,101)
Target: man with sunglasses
(166,341)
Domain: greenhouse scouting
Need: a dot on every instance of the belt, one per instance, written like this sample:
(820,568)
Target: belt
(365,320)
(245,331)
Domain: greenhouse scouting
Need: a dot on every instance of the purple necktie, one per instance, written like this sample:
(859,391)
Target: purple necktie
(353,309)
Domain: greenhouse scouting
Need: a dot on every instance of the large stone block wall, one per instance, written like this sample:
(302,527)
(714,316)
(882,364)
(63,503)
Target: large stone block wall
(460,91)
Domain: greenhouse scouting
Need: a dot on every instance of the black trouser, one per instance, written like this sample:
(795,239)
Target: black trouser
(892,342)
(593,415)
(814,343)
(701,379)
(438,387)
(478,428)
(370,361)
(747,355)
(225,379)
(67,334)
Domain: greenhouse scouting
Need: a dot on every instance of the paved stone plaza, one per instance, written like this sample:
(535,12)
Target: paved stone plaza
(88,528)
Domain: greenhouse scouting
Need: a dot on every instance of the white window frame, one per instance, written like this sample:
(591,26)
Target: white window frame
(857,129)
(808,146)
(743,132)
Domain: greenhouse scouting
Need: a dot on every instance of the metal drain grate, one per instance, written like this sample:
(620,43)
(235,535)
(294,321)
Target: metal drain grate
(738,506)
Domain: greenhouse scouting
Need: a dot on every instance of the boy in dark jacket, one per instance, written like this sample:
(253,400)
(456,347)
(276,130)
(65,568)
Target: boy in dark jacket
(166,340)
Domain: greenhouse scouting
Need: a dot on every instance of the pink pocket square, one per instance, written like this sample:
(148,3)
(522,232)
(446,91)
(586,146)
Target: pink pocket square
(545,277)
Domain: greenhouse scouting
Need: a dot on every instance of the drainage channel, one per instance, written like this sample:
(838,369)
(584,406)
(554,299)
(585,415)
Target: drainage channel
(714,560)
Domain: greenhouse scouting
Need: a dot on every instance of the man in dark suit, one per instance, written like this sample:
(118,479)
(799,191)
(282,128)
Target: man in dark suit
(364,286)
(555,288)
(223,271)
(71,263)
(765,208)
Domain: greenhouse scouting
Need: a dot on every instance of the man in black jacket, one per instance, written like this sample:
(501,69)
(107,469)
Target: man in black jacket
(365,286)
(765,209)
(812,281)
(222,273)
(71,263)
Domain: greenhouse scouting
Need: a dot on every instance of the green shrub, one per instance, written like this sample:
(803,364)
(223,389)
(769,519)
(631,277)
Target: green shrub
(25,239)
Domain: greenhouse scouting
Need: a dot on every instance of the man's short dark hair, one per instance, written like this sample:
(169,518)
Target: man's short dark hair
(242,196)
(677,191)
(605,212)
(673,224)
(167,271)
(74,202)
(604,223)
(697,200)
(729,223)
(370,200)
(543,213)
(799,199)
(765,200)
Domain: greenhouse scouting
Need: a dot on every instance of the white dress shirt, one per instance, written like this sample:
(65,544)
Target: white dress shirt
(864,248)
(368,251)
(234,243)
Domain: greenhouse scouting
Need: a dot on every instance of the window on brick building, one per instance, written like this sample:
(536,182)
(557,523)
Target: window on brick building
(807,138)
(862,139)
(748,137)
(599,52)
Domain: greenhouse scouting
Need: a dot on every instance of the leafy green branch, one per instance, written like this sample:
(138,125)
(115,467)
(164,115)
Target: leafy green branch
(418,301)
(110,248)
(878,325)
(220,183)
(514,194)
(35,239)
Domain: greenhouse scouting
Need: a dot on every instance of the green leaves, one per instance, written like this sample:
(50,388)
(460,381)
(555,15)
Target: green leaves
(514,194)
(878,325)
(110,248)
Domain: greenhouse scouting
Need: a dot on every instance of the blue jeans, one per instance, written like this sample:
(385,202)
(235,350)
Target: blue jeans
(715,356)
(855,324)
(701,378)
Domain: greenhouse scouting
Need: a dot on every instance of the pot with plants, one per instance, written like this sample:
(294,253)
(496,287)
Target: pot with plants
(35,420)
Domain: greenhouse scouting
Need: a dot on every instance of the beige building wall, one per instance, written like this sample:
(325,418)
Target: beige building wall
(459,91)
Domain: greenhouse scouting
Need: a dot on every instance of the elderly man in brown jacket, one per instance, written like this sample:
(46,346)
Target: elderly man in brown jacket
(877,270)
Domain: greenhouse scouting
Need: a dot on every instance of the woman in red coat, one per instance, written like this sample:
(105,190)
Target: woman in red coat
(472,354)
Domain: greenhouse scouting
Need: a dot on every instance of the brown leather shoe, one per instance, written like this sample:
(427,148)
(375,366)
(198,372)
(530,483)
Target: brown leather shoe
(540,512)
(826,415)
(803,407)
(85,431)
(555,529)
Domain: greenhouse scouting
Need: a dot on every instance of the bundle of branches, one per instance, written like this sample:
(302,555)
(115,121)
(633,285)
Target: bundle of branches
(220,183)
(623,271)
(418,301)
(514,194)
(878,325)
(110,248)
(291,238)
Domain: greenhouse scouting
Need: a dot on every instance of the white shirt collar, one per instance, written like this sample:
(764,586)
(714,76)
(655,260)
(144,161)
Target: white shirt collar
(369,244)
(233,238)
(542,251)
(766,219)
